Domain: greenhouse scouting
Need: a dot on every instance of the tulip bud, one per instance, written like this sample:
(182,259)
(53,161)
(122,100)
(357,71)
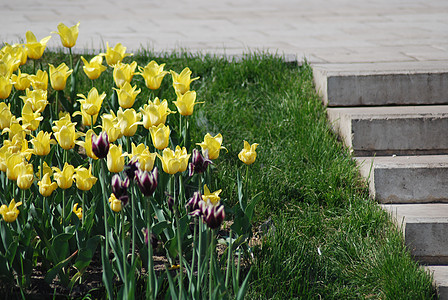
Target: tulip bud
(100,144)
(147,181)
(119,187)
(214,216)
(193,204)
(199,162)
(153,238)
(131,168)
(170,201)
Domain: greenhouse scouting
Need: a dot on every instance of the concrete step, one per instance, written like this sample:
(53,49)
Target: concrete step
(371,84)
(406,179)
(440,275)
(397,130)
(425,228)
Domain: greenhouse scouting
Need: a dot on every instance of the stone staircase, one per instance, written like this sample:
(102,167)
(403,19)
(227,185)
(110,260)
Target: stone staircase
(394,117)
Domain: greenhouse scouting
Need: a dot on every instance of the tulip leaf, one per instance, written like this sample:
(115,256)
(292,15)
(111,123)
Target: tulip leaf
(243,288)
(6,235)
(241,225)
(159,227)
(107,272)
(60,244)
(241,198)
(251,206)
(57,269)
(85,254)
(5,268)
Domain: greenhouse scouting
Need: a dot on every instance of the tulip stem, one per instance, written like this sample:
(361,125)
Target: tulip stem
(194,250)
(71,58)
(179,239)
(212,254)
(56,105)
(103,189)
(150,262)
(83,209)
(63,210)
(133,224)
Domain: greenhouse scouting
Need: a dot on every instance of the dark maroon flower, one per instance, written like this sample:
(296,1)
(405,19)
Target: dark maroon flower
(147,181)
(213,215)
(199,163)
(119,186)
(100,144)
(170,201)
(153,238)
(193,204)
(131,168)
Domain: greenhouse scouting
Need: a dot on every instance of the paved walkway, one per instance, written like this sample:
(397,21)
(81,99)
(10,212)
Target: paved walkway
(335,31)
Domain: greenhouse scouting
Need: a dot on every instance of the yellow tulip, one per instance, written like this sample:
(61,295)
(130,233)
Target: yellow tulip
(15,130)
(92,103)
(68,35)
(21,81)
(127,94)
(160,136)
(181,82)
(67,136)
(212,144)
(154,113)
(87,144)
(115,55)
(115,159)
(185,103)
(174,161)
(86,118)
(12,160)
(42,143)
(94,68)
(115,204)
(59,76)
(8,64)
(25,176)
(30,120)
(46,186)
(5,87)
(34,48)
(78,211)
(46,169)
(153,74)
(84,178)
(123,73)
(128,121)
(64,119)
(248,154)
(10,213)
(64,178)
(37,98)
(145,158)
(17,51)
(211,198)
(40,80)
(5,115)
(110,126)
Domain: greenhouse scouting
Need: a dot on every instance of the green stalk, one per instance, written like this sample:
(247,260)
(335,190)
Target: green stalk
(103,189)
(63,210)
(179,240)
(194,252)
(83,209)
(150,262)
(133,225)
(125,280)
(212,254)
(71,58)
(56,100)
(198,283)
(229,258)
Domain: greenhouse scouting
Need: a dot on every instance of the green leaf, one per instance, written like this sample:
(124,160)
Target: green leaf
(107,272)
(241,198)
(243,288)
(251,206)
(172,286)
(159,227)
(51,274)
(85,254)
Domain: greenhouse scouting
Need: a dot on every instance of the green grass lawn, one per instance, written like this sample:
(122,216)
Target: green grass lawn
(326,239)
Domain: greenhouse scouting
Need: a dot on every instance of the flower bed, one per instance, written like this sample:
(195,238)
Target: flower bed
(108,181)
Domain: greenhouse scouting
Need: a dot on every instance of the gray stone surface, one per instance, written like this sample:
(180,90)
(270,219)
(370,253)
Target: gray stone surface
(425,227)
(392,130)
(440,275)
(397,83)
(320,30)
(406,179)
